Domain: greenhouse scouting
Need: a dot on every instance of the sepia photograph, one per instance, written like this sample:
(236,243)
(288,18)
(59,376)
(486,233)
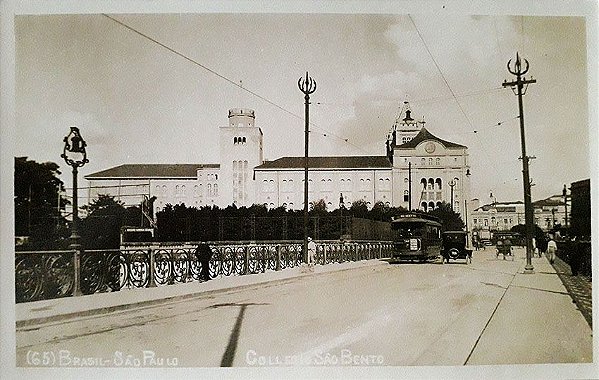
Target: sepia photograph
(250,189)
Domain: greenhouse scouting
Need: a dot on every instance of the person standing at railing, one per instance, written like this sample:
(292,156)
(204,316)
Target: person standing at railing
(204,254)
(311,251)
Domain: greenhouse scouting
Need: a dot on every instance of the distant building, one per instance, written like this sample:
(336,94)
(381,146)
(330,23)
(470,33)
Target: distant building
(418,169)
(502,216)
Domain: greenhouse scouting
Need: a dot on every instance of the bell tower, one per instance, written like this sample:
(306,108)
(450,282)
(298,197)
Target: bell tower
(240,152)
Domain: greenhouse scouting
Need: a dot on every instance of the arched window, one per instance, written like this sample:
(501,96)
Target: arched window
(431,205)
(431,184)
(439,183)
(423,183)
(438,161)
(234,140)
(423,206)
(215,190)
(406,196)
(438,204)
(209,190)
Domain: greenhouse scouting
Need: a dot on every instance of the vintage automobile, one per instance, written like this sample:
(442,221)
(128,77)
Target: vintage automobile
(454,246)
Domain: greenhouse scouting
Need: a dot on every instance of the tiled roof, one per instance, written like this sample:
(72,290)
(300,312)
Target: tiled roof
(152,171)
(339,162)
(548,202)
(487,207)
(425,135)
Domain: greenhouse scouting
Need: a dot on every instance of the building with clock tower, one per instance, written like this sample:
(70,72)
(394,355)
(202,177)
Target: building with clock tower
(427,170)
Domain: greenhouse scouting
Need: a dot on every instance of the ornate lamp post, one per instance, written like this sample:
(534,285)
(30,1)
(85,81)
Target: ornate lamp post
(307,86)
(452,184)
(74,155)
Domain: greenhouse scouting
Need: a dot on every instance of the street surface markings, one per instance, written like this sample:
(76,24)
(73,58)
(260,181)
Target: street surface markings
(354,335)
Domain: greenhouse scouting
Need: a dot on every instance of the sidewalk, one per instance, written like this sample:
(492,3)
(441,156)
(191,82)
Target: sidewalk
(536,322)
(53,310)
(579,287)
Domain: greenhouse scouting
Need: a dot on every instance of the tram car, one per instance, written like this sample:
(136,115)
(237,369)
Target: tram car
(416,237)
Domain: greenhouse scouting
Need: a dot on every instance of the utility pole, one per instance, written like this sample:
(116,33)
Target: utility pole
(307,86)
(565,193)
(410,186)
(519,87)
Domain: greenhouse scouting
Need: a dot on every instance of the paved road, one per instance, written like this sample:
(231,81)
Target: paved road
(406,314)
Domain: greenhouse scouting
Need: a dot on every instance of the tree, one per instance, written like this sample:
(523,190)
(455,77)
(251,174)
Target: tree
(38,203)
(379,212)
(359,209)
(318,208)
(101,229)
(450,219)
(521,229)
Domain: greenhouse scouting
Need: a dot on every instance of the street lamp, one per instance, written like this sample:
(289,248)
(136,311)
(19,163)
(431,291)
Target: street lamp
(74,155)
(307,86)
(452,184)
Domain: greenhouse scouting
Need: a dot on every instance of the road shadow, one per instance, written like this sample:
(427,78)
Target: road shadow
(229,354)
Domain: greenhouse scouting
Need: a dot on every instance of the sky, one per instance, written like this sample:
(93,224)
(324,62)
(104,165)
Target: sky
(136,101)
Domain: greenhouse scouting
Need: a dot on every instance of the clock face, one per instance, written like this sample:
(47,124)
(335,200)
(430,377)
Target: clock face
(429,147)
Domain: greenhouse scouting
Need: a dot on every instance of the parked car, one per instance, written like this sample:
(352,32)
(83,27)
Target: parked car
(454,246)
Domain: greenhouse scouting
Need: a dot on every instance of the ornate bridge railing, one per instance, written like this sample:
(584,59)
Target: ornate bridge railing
(53,274)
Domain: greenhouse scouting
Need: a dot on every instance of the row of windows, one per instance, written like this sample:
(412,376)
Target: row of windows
(431,184)
(330,205)
(181,190)
(485,221)
(239,140)
(436,162)
(431,161)
(240,176)
(209,177)
(365,184)
(429,206)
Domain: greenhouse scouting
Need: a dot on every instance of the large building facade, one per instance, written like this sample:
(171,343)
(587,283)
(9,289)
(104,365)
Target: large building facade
(418,171)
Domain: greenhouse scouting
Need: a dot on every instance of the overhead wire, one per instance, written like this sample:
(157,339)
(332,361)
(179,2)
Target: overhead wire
(230,81)
(452,92)
(440,71)
(325,132)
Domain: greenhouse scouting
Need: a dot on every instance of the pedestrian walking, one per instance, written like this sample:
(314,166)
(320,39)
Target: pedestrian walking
(311,251)
(551,249)
(542,245)
(535,249)
(204,254)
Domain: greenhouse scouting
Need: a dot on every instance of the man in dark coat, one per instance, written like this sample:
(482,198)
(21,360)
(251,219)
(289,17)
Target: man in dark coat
(204,253)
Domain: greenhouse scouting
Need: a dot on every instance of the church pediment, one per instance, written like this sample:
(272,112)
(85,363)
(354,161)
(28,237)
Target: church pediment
(428,142)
